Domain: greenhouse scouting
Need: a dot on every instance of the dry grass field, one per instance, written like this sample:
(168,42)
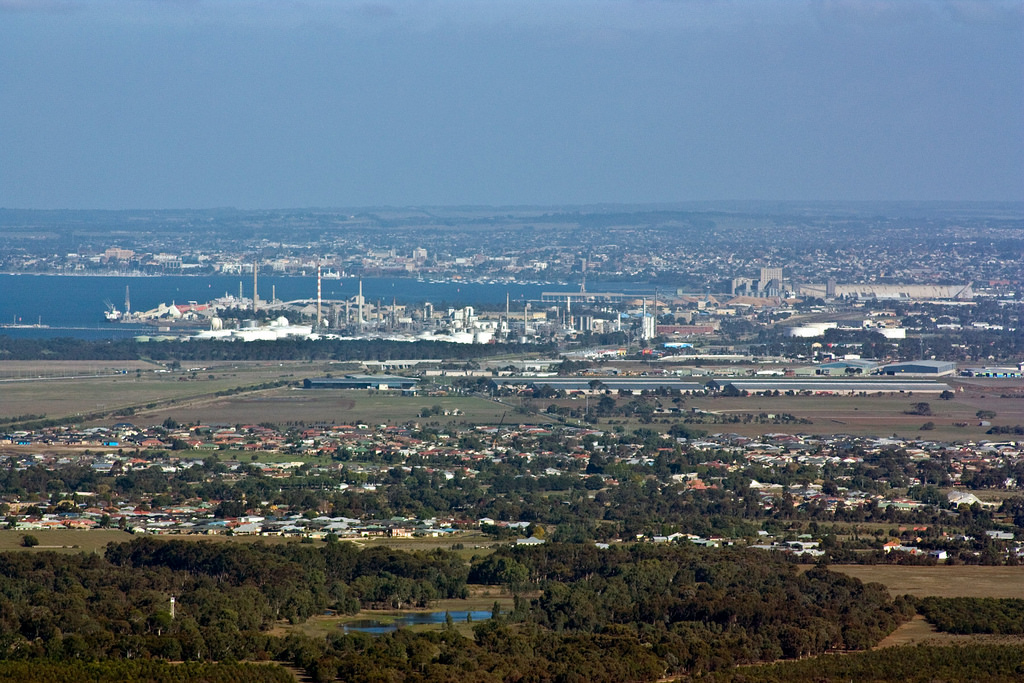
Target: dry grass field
(885,415)
(284,405)
(59,397)
(64,540)
(919,631)
(62,389)
(34,369)
(947,581)
(96,540)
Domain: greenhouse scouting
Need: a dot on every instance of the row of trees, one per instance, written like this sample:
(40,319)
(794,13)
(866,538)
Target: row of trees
(992,663)
(148,671)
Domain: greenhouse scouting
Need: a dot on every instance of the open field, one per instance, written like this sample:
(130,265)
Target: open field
(346,406)
(34,369)
(952,581)
(95,540)
(64,540)
(859,415)
(870,415)
(918,630)
(57,398)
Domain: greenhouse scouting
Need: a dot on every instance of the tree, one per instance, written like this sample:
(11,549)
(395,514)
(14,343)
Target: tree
(946,395)
(29,541)
(921,408)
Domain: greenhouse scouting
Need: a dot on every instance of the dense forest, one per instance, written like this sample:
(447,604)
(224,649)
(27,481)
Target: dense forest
(974,615)
(621,613)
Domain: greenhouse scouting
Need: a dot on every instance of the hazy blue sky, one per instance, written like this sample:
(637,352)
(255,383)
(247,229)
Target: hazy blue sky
(291,103)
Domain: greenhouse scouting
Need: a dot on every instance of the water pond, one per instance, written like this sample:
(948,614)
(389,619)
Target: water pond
(377,627)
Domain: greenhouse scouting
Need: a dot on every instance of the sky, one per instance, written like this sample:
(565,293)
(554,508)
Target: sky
(156,104)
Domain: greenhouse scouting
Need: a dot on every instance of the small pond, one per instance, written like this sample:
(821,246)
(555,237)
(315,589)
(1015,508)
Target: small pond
(376,627)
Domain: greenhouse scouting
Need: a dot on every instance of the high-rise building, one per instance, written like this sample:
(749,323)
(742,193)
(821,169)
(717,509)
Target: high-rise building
(771,281)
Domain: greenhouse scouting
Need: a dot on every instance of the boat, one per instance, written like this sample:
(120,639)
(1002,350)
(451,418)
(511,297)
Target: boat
(111,315)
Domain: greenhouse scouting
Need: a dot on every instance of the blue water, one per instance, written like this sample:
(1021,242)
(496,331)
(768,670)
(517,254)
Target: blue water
(375,627)
(73,306)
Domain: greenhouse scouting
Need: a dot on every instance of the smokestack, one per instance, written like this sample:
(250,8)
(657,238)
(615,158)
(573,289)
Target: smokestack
(318,298)
(255,290)
(360,303)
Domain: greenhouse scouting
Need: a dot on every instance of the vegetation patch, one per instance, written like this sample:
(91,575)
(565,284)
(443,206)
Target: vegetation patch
(142,672)
(921,663)
(974,615)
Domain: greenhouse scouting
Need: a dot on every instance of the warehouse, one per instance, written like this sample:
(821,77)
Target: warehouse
(381,382)
(834,386)
(598,385)
(847,367)
(930,368)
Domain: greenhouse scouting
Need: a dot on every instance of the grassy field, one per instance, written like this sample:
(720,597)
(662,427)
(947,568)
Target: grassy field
(919,631)
(57,398)
(20,370)
(885,415)
(95,540)
(284,405)
(967,581)
(55,395)
(64,540)
(871,415)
